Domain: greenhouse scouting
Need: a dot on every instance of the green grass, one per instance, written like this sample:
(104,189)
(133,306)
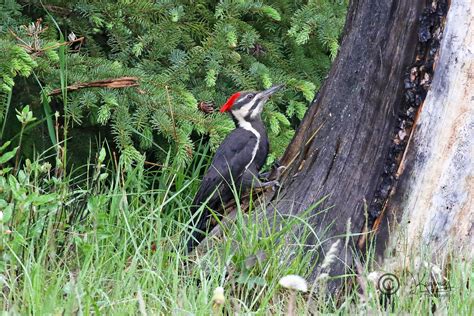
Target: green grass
(110,240)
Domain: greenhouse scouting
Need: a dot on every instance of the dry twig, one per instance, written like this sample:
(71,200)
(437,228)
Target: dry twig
(122,82)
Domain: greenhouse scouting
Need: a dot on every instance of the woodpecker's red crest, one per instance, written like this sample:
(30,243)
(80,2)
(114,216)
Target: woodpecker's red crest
(230,102)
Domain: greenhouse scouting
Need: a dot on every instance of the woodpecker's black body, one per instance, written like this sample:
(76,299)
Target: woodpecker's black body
(237,160)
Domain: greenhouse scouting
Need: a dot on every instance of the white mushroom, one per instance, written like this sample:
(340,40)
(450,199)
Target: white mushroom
(294,282)
(218,300)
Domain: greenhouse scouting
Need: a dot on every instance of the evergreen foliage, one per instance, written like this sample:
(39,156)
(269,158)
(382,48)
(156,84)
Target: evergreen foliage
(183,53)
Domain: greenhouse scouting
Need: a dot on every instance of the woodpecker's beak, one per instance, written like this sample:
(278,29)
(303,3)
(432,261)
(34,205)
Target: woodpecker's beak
(267,93)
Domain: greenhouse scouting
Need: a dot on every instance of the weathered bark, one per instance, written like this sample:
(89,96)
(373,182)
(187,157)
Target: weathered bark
(341,147)
(434,197)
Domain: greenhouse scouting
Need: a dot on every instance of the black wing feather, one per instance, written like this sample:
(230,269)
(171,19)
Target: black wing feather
(229,162)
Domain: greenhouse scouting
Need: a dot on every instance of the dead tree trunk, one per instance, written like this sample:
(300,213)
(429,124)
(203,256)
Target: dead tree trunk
(433,202)
(343,149)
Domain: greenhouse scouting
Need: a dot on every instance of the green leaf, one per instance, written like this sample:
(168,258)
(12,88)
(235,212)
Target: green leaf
(2,148)
(102,155)
(8,155)
(49,117)
(7,211)
(5,171)
(39,200)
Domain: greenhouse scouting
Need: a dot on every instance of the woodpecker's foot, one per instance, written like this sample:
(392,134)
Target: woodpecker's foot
(279,171)
(274,184)
(265,175)
(274,173)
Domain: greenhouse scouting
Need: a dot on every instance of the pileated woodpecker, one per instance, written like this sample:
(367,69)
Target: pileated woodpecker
(237,160)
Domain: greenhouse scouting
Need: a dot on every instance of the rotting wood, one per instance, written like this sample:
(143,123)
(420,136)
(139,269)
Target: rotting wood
(432,206)
(417,81)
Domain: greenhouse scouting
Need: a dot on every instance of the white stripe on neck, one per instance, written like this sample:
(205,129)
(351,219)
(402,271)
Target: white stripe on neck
(248,127)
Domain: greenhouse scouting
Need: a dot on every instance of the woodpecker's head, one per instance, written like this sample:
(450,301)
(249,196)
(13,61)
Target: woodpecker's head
(248,105)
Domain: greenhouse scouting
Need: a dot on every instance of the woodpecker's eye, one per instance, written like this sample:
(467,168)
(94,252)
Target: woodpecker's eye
(250,96)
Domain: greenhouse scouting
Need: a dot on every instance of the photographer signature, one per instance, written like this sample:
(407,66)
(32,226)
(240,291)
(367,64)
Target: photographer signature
(389,284)
(429,285)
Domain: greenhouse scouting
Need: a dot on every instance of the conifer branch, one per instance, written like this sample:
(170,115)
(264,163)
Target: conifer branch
(185,68)
(172,114)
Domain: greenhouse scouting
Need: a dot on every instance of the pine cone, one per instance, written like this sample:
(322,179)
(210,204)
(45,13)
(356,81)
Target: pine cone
(206,107)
